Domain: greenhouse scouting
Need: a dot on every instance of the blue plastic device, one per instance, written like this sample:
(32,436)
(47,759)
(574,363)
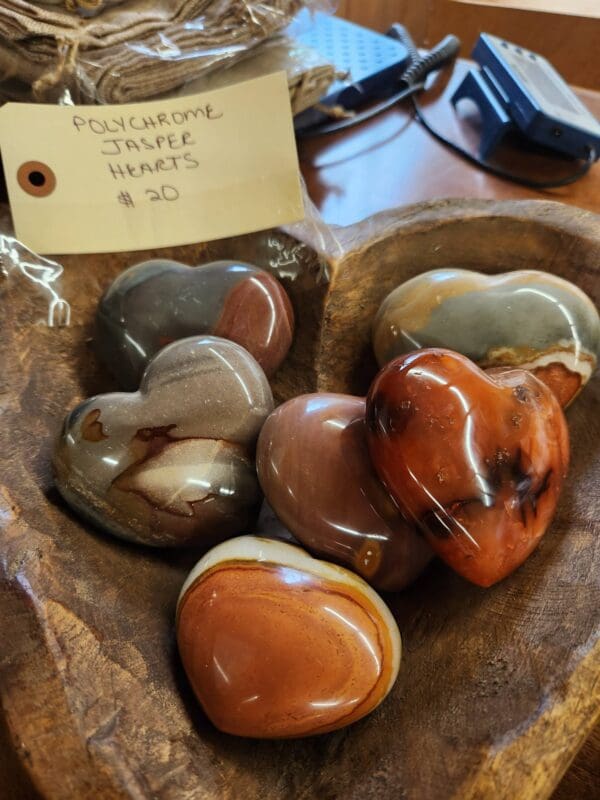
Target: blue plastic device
(518,89)
(373,63)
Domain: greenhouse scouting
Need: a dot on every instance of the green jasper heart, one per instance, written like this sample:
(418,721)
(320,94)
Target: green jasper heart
(527,319)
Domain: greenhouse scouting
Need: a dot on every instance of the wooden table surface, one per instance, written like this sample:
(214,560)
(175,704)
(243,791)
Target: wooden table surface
(391,161)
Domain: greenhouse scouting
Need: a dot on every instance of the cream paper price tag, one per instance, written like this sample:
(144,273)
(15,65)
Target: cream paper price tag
(93,179)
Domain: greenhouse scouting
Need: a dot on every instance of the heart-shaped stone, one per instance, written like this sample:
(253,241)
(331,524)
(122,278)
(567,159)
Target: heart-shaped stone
(157,302)
(314,468)
(278,644)
(476,459)
(527,319)
(171,464)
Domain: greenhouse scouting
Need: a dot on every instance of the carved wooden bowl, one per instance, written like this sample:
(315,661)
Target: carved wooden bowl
(498,687)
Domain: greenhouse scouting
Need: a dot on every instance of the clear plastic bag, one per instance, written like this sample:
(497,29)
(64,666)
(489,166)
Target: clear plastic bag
(23,270)
(285,252)
(102,52)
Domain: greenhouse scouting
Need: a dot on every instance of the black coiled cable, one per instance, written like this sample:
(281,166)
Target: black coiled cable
(413,81)
(443,53)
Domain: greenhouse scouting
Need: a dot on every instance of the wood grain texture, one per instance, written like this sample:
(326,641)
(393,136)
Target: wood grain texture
(568,41)
(392,160)
(579,8)
(498,688)
(14,780)
(583,777)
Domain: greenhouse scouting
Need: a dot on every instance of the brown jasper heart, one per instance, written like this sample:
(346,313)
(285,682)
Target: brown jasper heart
(314,468)
(278,644)
(158,302)
(476,459)
(172,464)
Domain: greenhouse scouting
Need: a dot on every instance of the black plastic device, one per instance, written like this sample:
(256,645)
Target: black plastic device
(371,62)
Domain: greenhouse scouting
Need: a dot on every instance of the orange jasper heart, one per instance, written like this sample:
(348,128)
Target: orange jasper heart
(278,644)
(476,459)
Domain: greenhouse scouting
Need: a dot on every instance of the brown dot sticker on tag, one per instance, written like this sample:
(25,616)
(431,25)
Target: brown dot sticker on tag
(36,178)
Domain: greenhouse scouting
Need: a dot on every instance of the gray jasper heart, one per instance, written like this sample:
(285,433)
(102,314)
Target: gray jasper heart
(527,319)
(173,463)
(157,302)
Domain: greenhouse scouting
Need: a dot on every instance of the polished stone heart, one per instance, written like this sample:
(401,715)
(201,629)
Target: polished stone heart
(476,459)
(527,319)
(314,468)
(157,302)
(278,644)
(171,464)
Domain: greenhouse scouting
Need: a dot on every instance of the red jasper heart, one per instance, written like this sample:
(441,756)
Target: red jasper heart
(477,459)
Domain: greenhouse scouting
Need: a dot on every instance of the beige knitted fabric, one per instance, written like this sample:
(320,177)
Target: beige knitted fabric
(309,75)
(85,7)
(133,51)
